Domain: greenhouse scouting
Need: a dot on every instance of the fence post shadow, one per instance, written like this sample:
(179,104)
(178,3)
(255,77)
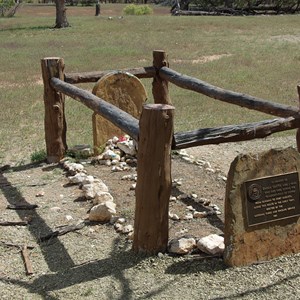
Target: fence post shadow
(36,226)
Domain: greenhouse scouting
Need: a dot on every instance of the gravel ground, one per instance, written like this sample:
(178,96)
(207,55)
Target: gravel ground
(97,263)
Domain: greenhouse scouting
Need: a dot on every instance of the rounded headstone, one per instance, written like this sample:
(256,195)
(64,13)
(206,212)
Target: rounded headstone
(123,90)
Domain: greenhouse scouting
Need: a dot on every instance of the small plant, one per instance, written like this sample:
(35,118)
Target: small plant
(138,10)
(39,155)
(6,7)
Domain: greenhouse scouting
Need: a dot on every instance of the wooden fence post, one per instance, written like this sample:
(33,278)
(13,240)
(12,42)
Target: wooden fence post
(298,130)
(160,88)
(55,122)
(153,190)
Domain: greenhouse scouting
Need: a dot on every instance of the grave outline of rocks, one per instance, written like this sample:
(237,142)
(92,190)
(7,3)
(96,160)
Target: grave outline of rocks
(57,84)
(181,245)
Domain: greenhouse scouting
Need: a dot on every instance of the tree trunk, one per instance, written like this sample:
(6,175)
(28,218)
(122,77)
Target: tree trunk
(228,3)
(61,14)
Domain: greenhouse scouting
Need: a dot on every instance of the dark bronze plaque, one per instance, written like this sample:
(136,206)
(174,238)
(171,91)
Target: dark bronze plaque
(272,198)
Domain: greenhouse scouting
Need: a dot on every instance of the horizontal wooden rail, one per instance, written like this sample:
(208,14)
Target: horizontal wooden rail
(243,100)
(233,133)
(118,117)
(144,72)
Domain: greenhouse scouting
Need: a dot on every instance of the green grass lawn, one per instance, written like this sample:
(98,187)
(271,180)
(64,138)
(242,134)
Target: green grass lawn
(254,55)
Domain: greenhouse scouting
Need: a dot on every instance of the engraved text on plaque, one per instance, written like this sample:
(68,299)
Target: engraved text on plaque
(272,198)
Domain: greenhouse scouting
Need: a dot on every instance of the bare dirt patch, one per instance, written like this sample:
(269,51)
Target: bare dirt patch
(201,60)
(96,262)
(287,38)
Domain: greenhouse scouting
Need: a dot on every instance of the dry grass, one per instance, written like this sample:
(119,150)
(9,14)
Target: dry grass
(251,55)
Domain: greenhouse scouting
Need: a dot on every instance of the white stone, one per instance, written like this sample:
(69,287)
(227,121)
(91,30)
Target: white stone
(130,236)
(177,182)
(88,191)
(108,162)
(224,178)
(206,202)
(187,159)
(202,200)
(123,164)
(77,178)
(69,218)
(116,169)
(115,139)
(207,165)
(190,207)
(182,245)
(103,212)
(108,143)
(121,220)
(182,196)
(212,244)
(172,198)
(40,194)
(188,216)
(182,152)
(215,207)
(211,170)
(174,217)
(118,227)
(91,189)
(131,177)
(109,154)
(127,229)
(128,147)
(102,197)
(74,168)
(200,214)
(88,179)
(133,186)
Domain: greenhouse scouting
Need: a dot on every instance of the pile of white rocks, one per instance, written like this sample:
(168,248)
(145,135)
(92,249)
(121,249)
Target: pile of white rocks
(119,153)
(104,207)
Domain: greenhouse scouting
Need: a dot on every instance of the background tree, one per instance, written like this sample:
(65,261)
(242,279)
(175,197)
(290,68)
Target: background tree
(61,14)
(8,8)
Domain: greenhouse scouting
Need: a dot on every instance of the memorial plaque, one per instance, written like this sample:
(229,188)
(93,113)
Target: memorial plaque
(272,198)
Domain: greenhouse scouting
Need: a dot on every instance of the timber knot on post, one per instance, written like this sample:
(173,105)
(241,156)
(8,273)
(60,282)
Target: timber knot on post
(165,115)
(56,108)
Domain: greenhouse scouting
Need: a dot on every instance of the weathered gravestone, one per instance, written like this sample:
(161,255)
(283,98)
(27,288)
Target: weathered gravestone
(262,208)
(123,90)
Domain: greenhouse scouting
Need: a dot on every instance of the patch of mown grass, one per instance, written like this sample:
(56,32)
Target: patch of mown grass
(262,59)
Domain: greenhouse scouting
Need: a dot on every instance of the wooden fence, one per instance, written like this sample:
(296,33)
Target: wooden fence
(154,133)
